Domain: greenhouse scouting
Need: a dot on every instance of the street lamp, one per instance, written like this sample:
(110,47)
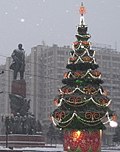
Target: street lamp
(6,119)
(112,121)
(7,129)
(113,124)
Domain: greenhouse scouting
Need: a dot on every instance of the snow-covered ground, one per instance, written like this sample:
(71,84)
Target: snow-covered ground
(110,150)
(59,148)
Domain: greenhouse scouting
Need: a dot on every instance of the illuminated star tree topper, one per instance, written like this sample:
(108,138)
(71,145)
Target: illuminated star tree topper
(82,11)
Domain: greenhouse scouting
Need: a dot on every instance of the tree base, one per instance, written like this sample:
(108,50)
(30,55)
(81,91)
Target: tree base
(82,141)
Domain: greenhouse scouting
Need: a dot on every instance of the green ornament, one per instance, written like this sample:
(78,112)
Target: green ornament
(79,81)
(78,150)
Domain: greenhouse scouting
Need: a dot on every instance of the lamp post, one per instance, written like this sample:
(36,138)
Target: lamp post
(6,120)
(7,129)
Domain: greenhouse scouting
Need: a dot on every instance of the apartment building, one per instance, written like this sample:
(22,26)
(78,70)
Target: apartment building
(45,66)
(109,63)
(53,62)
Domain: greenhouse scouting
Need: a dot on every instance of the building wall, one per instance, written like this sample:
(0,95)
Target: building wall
(5,87)
(109,63)
(2,90)
(54,60)
(45,66)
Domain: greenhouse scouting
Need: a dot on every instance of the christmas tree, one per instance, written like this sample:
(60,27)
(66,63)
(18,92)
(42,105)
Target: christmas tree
(82,104)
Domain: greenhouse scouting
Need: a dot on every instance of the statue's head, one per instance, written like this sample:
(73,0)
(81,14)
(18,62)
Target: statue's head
(20,46)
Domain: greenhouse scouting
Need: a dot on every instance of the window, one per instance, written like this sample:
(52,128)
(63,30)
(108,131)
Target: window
(115,58)
(60,71)
(60,58)
(50,53)
(60,52)
(60,64)
(106,57)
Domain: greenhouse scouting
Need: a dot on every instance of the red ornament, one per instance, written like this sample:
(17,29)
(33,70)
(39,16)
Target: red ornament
(104,101)
(65,75)
(59,115)
(85,43)
(76,44)
(92,116)
(66,90)
(114,117)
(73,59)
(56,101)
(87,59)
(106,92)
(75,100)
(96,73)
(89,89)
(78,74)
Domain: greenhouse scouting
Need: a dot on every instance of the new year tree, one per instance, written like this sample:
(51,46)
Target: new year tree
(82,103)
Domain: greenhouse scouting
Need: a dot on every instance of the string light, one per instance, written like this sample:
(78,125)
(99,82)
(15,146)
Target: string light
(81,59)
(61,123)
(81,74)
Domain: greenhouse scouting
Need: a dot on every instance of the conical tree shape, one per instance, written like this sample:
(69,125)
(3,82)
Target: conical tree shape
(82,104)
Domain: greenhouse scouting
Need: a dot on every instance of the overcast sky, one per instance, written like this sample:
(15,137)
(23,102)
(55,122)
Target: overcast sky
(31,21)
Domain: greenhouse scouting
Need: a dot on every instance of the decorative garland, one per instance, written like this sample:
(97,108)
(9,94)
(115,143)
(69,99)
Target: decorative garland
(95,74)
(86,122)
(83,101)
(70,91)
(75,60)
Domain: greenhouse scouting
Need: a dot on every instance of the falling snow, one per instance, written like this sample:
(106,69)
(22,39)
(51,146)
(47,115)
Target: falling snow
(6,13)
(22,20)
(48,17)
(37,24)
(41,19)
(67,11)
(15,8)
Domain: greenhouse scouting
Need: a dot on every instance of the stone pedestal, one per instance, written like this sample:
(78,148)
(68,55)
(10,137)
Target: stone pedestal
(11,151)
(22,128)
(19,87)
(20,140)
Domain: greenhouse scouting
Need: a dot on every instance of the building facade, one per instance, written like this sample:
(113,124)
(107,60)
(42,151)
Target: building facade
(109,63)
(45,67)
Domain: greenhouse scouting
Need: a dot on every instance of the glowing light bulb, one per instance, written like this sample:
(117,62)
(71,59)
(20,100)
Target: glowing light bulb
(76,134)
(22,20)
(113,124)
(69,147)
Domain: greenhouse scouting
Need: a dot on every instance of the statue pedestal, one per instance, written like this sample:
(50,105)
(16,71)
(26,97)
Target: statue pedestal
(19,87)
(20,140)
(11,150)
(22,124)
